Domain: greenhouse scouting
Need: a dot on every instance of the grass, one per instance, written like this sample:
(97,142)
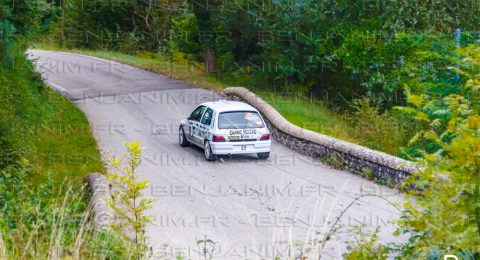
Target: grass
(312,115)
(46,148)
(307,113)
(44,130)
(41,224)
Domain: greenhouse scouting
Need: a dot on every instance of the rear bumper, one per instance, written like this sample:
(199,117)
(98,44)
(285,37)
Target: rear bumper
(222,148)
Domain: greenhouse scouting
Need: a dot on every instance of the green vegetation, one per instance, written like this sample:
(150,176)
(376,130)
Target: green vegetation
(40,126)
(335,50)
(312,115)
(367,51)
(365,126)
(365,245)
(443,210)
(447,212)
(128,202)
(48,221)
(46,148)
(378,74)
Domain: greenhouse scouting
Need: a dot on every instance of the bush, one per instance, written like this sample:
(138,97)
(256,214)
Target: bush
(379,131)
(127,43)
(445,212)
(365,246)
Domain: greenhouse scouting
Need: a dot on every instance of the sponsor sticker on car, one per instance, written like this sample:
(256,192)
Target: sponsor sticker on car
(243,132)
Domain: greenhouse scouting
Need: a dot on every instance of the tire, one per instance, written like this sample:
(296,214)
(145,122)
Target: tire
(182,138)
(207,151)
(263,155)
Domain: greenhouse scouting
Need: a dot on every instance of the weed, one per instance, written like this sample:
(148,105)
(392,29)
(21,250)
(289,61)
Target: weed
(207,247)
(335,160)
(391,183)
(364,245)
(128,202)
(367,173)
(49,221)
(380,131)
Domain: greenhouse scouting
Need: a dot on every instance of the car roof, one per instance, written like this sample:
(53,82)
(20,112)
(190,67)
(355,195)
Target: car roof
(226,105)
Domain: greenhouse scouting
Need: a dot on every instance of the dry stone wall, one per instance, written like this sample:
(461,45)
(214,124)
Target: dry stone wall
(356,158)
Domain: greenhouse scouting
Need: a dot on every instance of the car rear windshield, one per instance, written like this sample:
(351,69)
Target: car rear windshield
(239,120)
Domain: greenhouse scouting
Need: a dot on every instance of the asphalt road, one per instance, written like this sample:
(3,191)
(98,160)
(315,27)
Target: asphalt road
(250,208)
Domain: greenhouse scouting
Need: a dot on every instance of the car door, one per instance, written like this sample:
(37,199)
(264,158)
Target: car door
(205,124)
(194,124)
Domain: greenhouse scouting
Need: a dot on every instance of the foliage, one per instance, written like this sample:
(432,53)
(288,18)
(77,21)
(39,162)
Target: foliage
(446,215)
(368,173)
(42,216)
(38,124)
(128,202)
(47,221)
(336,50)
(381,131)
(335,160)
(340,50)
(365,245)
(18,22)
(182,37)
(115,25)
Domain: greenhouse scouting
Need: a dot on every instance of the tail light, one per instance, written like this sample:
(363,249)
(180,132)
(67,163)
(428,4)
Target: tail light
(218,138)
(265,137)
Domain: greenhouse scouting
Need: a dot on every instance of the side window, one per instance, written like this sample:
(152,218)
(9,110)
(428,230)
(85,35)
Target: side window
(197,113)
(207,117)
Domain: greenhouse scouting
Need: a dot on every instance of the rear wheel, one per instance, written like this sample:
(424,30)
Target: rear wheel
(182,138)
(209,156)
(263,155)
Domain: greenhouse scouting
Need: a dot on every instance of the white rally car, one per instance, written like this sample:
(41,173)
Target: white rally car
(224,128)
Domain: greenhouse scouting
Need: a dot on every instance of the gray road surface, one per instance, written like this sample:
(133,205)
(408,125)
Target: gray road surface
(252,209)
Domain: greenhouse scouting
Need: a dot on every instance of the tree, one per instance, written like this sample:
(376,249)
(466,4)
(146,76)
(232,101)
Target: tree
(443,210)
(205,12)
(18,23)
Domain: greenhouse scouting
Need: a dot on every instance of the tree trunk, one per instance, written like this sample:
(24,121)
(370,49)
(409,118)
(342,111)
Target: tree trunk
(64,6)
(209,56)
